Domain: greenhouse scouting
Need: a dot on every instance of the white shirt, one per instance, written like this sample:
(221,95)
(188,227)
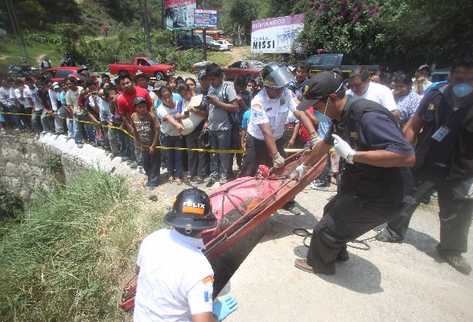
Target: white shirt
(378,93)
(72,99)
(32,93)
(28,100)
(19,96)
(166,127)
(53,99)
(175,280)
(273,111)
(3,96)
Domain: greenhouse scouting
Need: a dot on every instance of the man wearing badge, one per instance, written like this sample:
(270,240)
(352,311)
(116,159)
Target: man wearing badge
(375,153)
(443,130)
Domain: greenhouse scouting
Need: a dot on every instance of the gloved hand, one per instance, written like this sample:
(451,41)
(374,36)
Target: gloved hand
(298,172)
(278,161)
(343,149)
(314,138)
(224,306)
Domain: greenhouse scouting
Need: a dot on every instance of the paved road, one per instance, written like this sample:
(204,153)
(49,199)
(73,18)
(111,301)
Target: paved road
(390,282)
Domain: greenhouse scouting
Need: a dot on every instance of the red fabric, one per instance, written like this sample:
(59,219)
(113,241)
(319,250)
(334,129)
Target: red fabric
(303,132)
(125,101)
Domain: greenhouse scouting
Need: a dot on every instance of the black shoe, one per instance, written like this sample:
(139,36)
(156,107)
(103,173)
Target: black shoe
(289,205)
(457,261)
(306,267)
(343,256)
(387,237)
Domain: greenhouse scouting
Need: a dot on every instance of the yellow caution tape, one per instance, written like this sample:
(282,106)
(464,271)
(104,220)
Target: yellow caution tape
(158,147)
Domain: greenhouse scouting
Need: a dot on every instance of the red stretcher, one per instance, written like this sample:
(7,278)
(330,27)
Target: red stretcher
(243,207)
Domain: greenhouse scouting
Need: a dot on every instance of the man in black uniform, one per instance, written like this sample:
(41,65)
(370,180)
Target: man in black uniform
(372,187)
(443,129)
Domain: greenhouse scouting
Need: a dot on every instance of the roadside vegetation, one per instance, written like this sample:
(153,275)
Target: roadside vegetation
(67,256)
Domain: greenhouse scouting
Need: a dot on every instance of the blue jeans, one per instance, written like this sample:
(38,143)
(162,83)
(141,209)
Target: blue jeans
(220,162)
(173,157)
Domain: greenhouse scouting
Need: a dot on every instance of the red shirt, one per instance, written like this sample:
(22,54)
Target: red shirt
(125,101)
(303,132)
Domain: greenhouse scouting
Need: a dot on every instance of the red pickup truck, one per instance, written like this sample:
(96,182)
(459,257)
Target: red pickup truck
(145,65)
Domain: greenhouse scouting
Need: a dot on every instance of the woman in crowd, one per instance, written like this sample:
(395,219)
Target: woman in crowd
(170,113)
(192,85)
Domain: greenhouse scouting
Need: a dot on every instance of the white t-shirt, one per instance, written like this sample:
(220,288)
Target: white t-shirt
(3,96)
(32,93)
(162,111)
(53,99)
(28,100)
(175,280)
(72,99)
(378,93)
(272,111)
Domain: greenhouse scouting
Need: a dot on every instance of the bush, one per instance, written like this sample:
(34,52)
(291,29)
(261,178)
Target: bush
(65,259)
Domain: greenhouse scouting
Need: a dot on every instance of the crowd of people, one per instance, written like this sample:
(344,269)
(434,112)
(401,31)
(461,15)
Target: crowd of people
(206,112)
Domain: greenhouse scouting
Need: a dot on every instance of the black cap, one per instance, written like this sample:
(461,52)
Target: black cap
(139,100)
(319,87)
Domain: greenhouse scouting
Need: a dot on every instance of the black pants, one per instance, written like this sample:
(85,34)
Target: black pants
(257,153)
(152,165)
(455,215)
(345,218)
(197,162)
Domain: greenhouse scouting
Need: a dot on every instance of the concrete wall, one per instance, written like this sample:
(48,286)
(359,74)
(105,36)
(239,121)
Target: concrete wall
(26,164)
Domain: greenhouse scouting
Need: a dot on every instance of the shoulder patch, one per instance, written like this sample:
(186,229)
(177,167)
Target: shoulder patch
(208,280)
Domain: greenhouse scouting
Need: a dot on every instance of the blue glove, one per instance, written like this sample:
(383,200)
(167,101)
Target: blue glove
(224,306)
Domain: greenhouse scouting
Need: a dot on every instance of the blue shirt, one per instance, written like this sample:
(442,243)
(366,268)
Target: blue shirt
(324,124)
(245,119)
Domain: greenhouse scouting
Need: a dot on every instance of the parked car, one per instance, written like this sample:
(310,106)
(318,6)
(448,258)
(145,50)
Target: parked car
(186,41)
(58,74)
(226,43)
(328,61)
(146,65)
(247,68)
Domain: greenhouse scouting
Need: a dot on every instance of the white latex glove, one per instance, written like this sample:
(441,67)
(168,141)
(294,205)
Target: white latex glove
(278,161)
(343,149)
(298,172)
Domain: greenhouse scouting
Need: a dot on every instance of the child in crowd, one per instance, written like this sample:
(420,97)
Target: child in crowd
(146,130)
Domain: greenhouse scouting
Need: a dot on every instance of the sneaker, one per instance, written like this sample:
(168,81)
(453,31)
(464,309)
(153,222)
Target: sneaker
(457,261)
(132,164)
(80,145)
(141,169)
(387,236)
(42,133)
(223,181)
(211,182)
(320,185)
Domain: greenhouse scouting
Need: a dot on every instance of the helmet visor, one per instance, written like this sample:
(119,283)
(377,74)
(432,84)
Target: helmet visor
(279,77)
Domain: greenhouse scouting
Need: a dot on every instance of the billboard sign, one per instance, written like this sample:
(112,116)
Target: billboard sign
(205,18)
(179,14)
(276,35)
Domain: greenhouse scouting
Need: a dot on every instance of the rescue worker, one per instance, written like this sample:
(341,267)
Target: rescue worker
(175,279)
(375,152)
(269,111)
(443,130)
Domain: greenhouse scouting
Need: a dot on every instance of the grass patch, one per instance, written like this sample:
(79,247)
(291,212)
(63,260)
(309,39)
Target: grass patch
(11,53)
(66,259)
(222,58)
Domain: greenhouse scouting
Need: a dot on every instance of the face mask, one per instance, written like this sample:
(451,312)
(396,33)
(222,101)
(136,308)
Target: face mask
(462,90)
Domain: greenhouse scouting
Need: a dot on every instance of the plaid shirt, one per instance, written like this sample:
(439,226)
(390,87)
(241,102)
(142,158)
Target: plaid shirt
(408,105)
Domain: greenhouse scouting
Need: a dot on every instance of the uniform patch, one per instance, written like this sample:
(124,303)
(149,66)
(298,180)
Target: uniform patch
(208,280)
(206,296)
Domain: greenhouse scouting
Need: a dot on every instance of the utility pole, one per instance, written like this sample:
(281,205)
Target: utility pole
(16,27)
(146,28)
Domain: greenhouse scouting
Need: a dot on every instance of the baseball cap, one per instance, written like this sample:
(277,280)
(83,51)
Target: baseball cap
(319,87)
(139,100)
(422,67)
(202,74)
(55,85)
